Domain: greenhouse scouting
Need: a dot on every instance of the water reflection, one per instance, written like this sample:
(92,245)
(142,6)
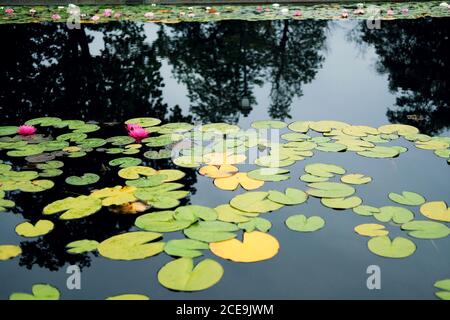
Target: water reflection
(415,54)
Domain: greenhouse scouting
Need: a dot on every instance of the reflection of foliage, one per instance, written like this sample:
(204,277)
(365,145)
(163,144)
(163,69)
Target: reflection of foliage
(220,63)
(416,56)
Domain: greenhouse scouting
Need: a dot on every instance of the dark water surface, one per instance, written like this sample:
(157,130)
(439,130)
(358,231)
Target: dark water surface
(235,72)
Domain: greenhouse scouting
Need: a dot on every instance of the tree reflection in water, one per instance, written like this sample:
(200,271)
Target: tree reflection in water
(415,54)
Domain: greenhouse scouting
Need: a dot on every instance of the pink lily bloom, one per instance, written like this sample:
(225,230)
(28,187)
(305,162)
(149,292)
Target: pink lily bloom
(26,130)
(9,11)
(137,132)
(107,13)
(390,12)
(149,15)
(297,13)
(56,17)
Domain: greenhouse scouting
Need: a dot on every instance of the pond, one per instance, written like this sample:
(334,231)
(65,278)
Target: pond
(238,73)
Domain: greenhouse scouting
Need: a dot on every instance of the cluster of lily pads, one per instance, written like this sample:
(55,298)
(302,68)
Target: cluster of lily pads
(180,13)
(216,150)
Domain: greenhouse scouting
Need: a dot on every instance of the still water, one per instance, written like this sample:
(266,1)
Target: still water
(236,72)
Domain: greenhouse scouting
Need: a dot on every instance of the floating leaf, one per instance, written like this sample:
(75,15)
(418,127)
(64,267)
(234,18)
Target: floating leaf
(131,246)
(309,178)
(221,128)
(120,140)
(188,161)
(221,158)
(227,213)
(443,284)
(436,210)
(301,223)
(401,129)
(274,161)
(84,180)
(260,224)
(397,214)
(42,227)
(269,174)
(300,126)
(426,229)
(255,201)
(26,151)
(341,203)
(187,248)
(8,130)
(330,190)
(156,155)
(359,131)
(295,136)
(181,275)
(8,251)
(162,221)
(82,246)
(366,210)
(380,152)
(39,292)
(236,180)
(356,178)
(268,124)
(115,196)
(74,208)
(223,171)
(135,172)
(256,246)
(331,147)
(371,230)
(129,296)
(193,212)
(291,196)
(144,122)
(125,162)
(407,198)
(211,231)
(327,126)
(324,170)
(398,248)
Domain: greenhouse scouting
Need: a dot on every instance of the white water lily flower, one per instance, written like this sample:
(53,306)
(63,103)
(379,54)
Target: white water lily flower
(284,11)
(275,5)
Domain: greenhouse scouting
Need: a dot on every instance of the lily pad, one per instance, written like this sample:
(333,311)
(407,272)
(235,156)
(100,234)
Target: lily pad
(26,151)
(131,246)
(371,230)
(269,174)
(135,172)
(8,251)
(74,208)
(211,231)
(82,246)
(39,292)
(188,161)
(238,179)
(366,210)
(125,162)
(436,210)
(227,213)
(302,223)
(309,178)
(324,170)
(257,223)
(426,229)
(356,178)
(151,181)
(254,201)
(156,155)
(187,248)
(42,227)
(129,296)
(399,247)
(84,180)
(380,152)
(268,124)
(291,196)
(330,190)
(195,212)
(398,215)
(407,198)
(256,246)
(341,203)
(181,275)
(300,126)
(8,130)
(161,221)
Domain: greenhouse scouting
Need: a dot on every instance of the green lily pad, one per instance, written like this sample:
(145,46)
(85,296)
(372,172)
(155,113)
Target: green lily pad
(156,155)
(72,137)
(162,221)
(300,126)
(144,122)
(331,147)
(443,284)
(398,248)
(268,124)
(175,127)
(211,231)
(74,208)
(187,248)
(6,204)
(151,181)
(131,246)
(398,215)
(366,210)
(42,227)
(125,162)
(227,213)
(181,275)
(26,151)
(424,229)
(82,246)
(39,292)
(302,223)
(120,140)
(341,203)
(135,172)
(50,165)
(291,196)
(92,143)
(129,296)
(8,251)
(222,128)
(195,212)
(255,201)
(269,174)
(380,152)
(295,136)
(324,170)
(253,224)
(44,121)
(407,198)
(8,130)
(84,180)
(330,190)
(188,161)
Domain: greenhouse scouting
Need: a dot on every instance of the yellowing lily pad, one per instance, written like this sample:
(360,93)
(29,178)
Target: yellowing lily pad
(341,203)
(8,251)
(436,210)
(39,292)
(324,170)
(221,158)
(129,296)
(74,208)
(116,196)
(218,172)
(236,180)
(82,246)
(131,246)
(356,178)
(371,230)
(181,275)
(302,223)
(84,180)
(380,152)
(135,172)
(42,227)
(398,248)
(256,246)
(330,190)
(269,174)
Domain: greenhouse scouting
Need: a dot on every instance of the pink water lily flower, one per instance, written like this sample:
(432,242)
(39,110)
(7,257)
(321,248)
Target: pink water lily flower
(26,130)
(95,18)
(297,13)
(390,12)
(107,13)
(56,17)
(9,11)
(344,14)
(117,15)
(149,15)
(137,132)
